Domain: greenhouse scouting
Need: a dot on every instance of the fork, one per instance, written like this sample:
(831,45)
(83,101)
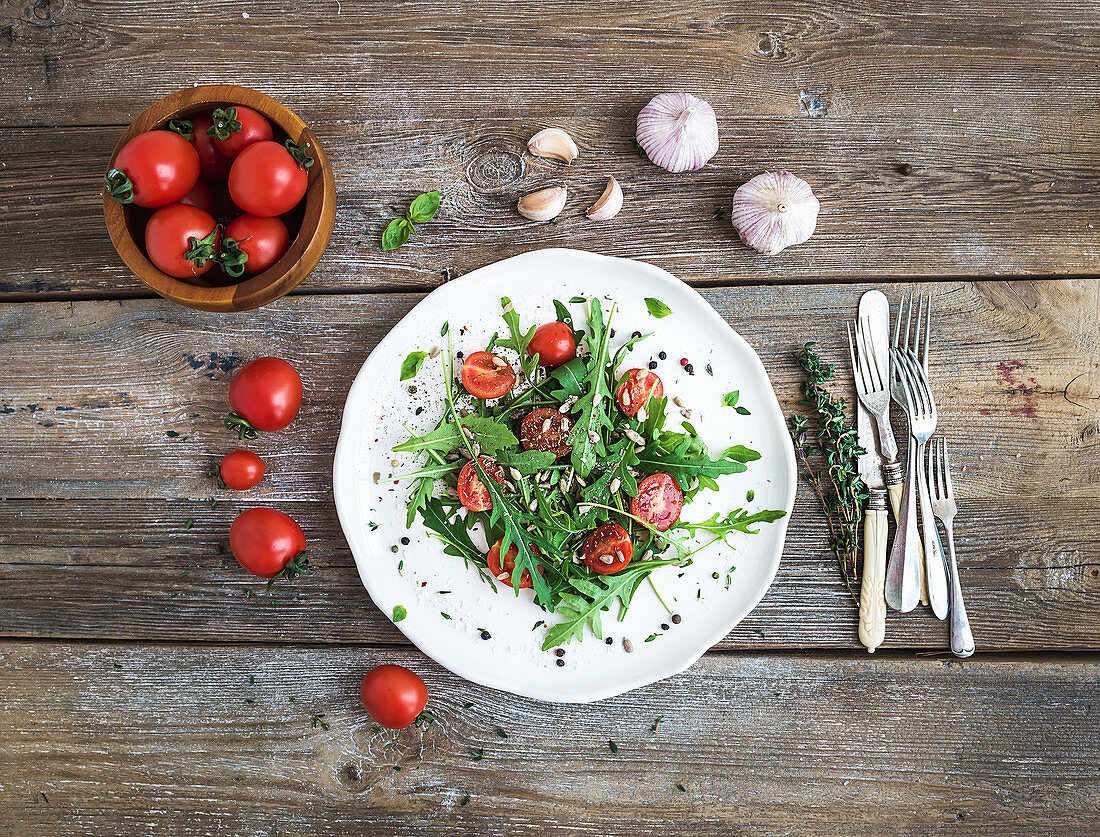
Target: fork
(903,578)
(933,573)
(944,507)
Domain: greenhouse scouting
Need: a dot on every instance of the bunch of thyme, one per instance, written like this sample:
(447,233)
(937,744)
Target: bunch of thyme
(842,490)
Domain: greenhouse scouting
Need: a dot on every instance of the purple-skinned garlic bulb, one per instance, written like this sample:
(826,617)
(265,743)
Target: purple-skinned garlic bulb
(678,131)
(773,211)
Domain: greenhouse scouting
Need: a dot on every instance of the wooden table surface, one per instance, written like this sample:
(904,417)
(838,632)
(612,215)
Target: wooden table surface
(145,689)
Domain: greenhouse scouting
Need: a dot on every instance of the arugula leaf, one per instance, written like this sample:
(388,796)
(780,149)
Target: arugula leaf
(563,314)
(596,595)
(424,207)
(519,339)
(434,470)
(620,459)
(419,497)
(570,379)
(741,454)
(491,436)
(736,521)
(453,531)
(654,418)
(730,399)
(527,462)
(657,308)
(585,437)
(412,364)
(685,459)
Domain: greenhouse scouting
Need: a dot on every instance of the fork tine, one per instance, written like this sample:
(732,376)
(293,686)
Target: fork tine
(947,470)
(858,372)
(917,325)
(935,469)
(908,320)
(927,331)
(852,351)
(872,351)
(865,360)
(897,324)
(930,469)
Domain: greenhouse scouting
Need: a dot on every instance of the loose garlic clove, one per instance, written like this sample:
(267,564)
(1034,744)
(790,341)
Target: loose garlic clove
(609,203)
(543,205)
(555,144)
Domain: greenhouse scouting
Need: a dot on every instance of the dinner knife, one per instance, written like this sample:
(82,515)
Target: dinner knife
(874,311)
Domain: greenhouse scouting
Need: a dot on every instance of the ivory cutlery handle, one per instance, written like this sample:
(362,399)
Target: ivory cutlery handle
(872,593)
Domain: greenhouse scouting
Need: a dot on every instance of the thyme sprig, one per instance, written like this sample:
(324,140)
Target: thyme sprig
(826,436)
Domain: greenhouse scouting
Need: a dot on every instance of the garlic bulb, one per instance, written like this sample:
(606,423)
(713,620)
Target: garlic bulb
(544,204)
(678,131)
(609,203)
(555,144)
(773,211)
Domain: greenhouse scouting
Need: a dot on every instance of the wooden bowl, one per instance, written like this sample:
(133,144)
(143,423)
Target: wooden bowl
(310,223)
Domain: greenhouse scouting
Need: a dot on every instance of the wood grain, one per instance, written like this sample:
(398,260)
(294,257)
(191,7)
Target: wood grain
(987,104)
(1017,370)
(200,739)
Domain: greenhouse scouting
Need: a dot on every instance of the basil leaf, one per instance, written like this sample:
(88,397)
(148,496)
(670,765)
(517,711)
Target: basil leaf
(657,308)
(412,365)
(424,207)
(399,613)
(730,399)
(742,411)
(397,233)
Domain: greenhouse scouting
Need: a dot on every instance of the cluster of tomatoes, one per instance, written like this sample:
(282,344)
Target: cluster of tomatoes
(195,171)
(265,395)
(608,548)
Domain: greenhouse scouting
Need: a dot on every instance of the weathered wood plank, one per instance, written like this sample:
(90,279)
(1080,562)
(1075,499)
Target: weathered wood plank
(1017,372)
(196,740)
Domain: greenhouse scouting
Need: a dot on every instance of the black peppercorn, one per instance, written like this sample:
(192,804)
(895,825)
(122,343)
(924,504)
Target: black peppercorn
(664,626)
(559,652)
(561,663)
(609,641)
(653,364)
(486,635)
(676,620)
(404,541)
(635,335)
(458,355)
(662,355)
(689,369)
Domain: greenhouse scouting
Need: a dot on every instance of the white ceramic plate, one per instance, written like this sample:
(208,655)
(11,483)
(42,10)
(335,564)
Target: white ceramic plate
(380,413)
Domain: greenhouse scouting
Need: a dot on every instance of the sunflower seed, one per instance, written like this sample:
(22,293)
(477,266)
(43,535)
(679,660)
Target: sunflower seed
(466,432)
(647,554)
(636,438)
(451,457)
(584,508)
(614,487)
(565,424)
(626,398)
(546,426)
(608,559)
(503,577)
(378,476)
(678,402)
(639,449)
(533,505)
(628,646)
(434,353)
(499,363)
(516,475)
(686,413)
(475,449)
(620,556)
(640,376)
(564,408)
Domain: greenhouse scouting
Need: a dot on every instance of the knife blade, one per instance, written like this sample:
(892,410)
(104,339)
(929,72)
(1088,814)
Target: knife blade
(874,310)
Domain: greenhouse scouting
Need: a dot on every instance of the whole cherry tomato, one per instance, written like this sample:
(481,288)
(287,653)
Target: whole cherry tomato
(502,570)
(213,164)
(267,543)
(471,490)
(393,695)
(241,470)
(545,429)
(182,240)
(266,179)
(658,501)
(263,241)
(267,393)
(607,549)
(554,344)
(637,388)
(234,129)
(153,169)
(486,375)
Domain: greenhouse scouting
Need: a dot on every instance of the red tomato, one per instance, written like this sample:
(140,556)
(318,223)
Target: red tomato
(502,572)
(266,180)
(153,170)
(545,429)
(266,542)
(658,502)
(262,240)
(607,549)
(241,470)
(393,695)
(235,129)
(266,392)
(213,164)
(471,490)
(487,376)
(202,196)
(637,388)
(554,344)
(182,240)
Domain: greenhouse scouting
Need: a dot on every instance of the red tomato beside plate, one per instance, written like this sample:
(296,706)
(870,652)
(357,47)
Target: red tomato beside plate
(393,695)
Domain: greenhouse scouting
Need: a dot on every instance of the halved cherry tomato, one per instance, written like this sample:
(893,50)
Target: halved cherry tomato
(637,388)
(202,196)
(486,375)
(471,490)
(153,169)
(262,240)
(235,129)
(545,429)
(267,393)
(241,470)
(266,180)
(658,501)
(267,543)
(502,572)
(213,164)
(182,240)
(607,549)
(393,695)
(554,344)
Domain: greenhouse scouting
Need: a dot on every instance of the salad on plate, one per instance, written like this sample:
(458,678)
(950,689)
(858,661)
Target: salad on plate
(564,462)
